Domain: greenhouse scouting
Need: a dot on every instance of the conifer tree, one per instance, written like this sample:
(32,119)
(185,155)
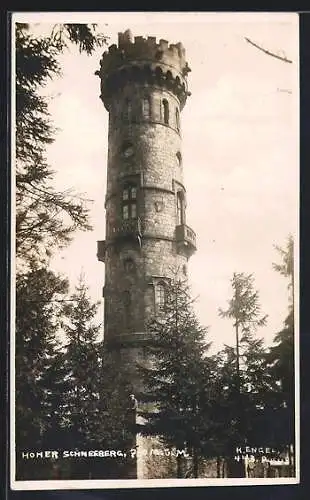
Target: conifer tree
(114,427)
(38,291)
(244,310)
(177,376)
(281,361)
(45,220)
(82,363)
(245,379)
(94,400)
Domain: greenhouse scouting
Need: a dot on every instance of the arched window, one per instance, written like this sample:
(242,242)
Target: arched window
(180,208)
(179,159)
(146,108)
(166,111)
(129,202)
(160,295)
(177,118)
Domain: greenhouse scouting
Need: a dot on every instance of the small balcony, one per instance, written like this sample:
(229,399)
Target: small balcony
(186,238)
(101,248)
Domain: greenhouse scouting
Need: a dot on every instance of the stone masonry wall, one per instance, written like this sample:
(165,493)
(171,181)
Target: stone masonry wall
(155,166)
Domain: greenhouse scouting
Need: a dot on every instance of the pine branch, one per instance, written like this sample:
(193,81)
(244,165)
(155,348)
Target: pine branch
(268,52)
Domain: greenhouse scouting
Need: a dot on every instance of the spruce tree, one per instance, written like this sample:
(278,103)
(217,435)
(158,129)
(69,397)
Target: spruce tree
(38,292)
(81,360)
(94,399)
(282,364)
(114,427)
(177,375)
(244,364)
(45,220)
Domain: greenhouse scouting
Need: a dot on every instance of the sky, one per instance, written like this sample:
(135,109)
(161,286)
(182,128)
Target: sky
(240,150)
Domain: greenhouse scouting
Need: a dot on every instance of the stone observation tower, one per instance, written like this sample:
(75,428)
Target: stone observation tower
(144,89)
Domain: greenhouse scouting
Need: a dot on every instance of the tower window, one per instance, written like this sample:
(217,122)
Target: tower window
(127,114)
(125,212)
(180,208)
(177,118)
(166,111)
(146,108)
(179,158)
(160,295)
(129,202)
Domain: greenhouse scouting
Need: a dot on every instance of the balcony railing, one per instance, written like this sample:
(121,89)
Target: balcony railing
(186,237)
(127,228)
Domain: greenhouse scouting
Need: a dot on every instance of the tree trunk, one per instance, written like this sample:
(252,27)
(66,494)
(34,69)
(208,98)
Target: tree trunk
(179,467)
(291,466)
(195,463)
(235,468)
(223,468)
(218,466)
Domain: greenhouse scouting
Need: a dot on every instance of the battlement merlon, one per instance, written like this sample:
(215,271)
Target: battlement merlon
(139,49)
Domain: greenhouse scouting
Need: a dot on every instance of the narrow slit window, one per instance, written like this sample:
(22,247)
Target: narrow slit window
(146,108)
(125,212)
(180,208)
(133,211)
(166,111)
(177,118)
(179,159)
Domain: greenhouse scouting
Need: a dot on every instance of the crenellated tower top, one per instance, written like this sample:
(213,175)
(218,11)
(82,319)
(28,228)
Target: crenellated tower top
(143,60)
